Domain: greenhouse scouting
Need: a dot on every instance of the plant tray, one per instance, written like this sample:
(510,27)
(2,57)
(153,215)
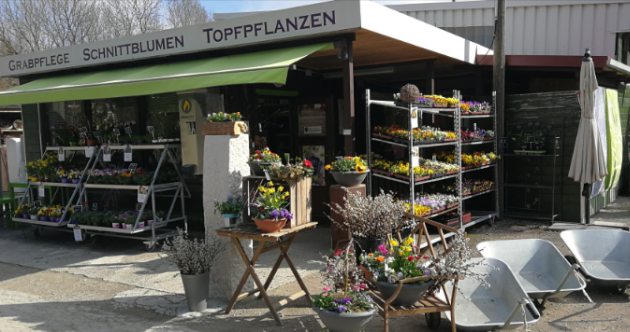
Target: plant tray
(488,138)
(451,173)
(440,106)
(488,112)
(466,218)
(466,141)
(452,205)
(404,177)
(466,194)
(530,152)
(378,171)
(450,139)
(467,167)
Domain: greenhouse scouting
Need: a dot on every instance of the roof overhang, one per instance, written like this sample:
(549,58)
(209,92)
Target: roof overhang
(383,35)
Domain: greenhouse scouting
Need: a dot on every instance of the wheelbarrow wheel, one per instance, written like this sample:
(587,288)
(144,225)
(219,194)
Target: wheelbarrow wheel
(433,320)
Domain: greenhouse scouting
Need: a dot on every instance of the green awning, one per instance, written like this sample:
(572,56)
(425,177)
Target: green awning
(258,67)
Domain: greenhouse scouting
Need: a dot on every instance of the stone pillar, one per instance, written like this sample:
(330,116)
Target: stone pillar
(224,165)
(341,237)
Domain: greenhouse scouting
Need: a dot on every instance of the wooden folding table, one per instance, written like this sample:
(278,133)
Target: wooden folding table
(251,232)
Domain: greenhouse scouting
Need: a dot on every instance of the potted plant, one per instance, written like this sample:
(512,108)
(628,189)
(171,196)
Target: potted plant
(260,159)
(230,209)
(194,259)
(344,305)
(348,171)
(269,208)
(32,212)
(399,261)
(369,219)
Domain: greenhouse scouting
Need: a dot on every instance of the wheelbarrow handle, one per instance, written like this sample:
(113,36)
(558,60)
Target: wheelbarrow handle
(517,307)
(572,269)
(532,310)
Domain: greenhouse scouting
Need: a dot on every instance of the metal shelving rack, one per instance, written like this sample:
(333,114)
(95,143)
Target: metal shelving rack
(156,228)
(65,218)
(527,211)
(480,216)
(453,113)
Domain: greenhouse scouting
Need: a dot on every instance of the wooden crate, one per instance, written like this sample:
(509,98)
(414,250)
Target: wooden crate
(300,199)
(224,128)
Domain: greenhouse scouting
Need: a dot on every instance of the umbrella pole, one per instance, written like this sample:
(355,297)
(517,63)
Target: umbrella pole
(586,192)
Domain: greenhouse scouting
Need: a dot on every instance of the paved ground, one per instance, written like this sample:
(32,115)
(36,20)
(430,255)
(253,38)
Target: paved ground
(53,284)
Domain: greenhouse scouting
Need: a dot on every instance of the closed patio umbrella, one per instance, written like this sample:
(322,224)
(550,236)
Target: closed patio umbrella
(588,164)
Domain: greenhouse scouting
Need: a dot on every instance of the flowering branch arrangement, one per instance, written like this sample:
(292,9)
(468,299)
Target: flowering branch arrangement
(369,217)
(344,292)
(348,164)
(194,256)
(271,202)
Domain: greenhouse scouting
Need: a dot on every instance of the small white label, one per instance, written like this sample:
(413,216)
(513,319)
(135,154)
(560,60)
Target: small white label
(434,158)
(347,132)
(475,126)
(133,167)
(142,193)
(128,153)
(89,152)
(313,130)
(78,236)
(61,154)
(267,176)
(107,157)
(41,192)
(415,160)
(414,118)
(226,222)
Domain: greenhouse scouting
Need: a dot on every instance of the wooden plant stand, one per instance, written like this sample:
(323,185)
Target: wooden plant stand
(251,232)
(429,305)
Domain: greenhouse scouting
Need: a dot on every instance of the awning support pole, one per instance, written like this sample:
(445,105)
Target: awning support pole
(345,54)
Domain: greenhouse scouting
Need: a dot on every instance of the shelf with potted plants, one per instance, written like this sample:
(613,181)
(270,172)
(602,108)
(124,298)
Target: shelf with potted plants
(123,222)
(70,173)
(166,180)
(471,161)
(416,170)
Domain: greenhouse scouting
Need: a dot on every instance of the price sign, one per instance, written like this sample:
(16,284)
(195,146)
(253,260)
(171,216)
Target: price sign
(414,117)
(107,153)
(78,235)
(142,193)
(41,192)
(61,154)
(133,167)
(415,154)
(89,151)
(434,158)
(128,152)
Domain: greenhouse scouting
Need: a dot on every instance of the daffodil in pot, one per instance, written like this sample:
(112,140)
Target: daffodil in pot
(230,209)
(194,258)
(260,159)
(269,208)
(344,305)
(400,261)
(348,171)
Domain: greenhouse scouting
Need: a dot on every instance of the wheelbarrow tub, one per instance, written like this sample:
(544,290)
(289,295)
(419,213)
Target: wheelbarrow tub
(489,308)
(538,265)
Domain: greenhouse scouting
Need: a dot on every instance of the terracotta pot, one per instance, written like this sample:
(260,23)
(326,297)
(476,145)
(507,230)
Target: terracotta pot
(91,142)
(270,225)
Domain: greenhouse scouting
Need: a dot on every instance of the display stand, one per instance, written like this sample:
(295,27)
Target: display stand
(458,117)
(65,218)
(156,227)
(252,232)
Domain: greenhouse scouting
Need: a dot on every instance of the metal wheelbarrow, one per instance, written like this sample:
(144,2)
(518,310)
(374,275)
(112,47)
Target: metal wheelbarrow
(539,267)
(603,255)
(500,307)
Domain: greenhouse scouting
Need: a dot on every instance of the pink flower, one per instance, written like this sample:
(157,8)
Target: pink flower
(363,286)
(326,289)
(356,288)
(382,249)
(325,294)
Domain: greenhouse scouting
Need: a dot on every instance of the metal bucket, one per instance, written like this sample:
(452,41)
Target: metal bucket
(197,288)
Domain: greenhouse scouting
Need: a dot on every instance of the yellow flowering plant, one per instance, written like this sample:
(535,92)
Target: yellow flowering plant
(348,165)
(397,261)
(224,117)
(271,202)
(264,156)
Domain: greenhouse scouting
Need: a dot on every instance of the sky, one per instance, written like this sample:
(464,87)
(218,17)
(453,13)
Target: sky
(233,6)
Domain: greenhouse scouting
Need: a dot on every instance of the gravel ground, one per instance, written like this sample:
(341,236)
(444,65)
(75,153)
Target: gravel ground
(55,297)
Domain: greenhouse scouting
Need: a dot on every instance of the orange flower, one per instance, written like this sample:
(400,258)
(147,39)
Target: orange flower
(380,259)
(348,157)
(370,254)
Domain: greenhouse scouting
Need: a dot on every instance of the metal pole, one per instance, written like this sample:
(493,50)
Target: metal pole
(498,72)
(348,98)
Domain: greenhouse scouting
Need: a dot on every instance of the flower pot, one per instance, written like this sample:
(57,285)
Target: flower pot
(141,224)
(42,218)
(231,220)
(26,216)
(64,180)
(91,142)
(115,225)
(349,179)
(75,181)
(345,322)
(58,219)
(256,168)
(270,225)
(196,288)
(366,246)
(34,217)
(409,294)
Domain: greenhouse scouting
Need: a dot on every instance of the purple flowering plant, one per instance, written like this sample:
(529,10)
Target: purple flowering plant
(343,292)
(233,205)
(270,202)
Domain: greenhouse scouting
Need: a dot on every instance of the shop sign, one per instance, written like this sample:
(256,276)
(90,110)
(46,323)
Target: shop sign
(278,25)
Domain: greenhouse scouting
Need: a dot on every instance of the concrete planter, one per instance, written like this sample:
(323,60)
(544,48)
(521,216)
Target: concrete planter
(256,168)
(409,294)
(196,288)
(349,179)
(345,322)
